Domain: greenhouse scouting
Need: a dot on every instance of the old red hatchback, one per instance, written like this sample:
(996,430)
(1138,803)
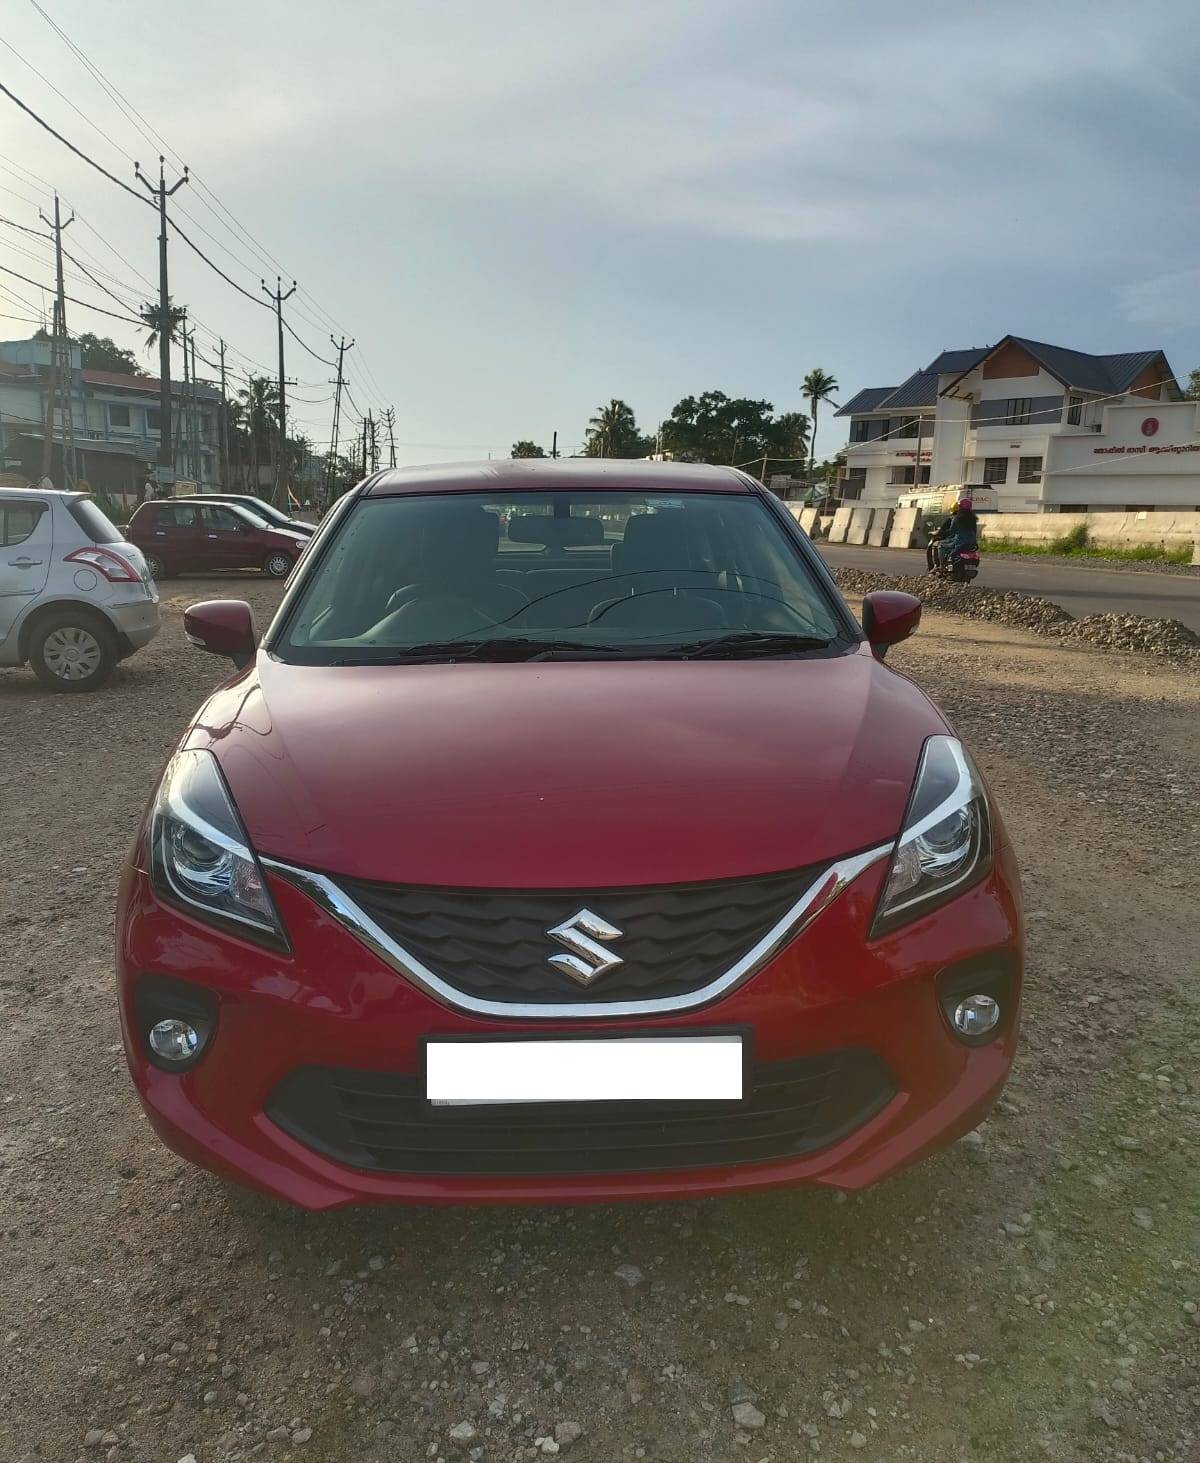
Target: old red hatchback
(565,838)
(186,535)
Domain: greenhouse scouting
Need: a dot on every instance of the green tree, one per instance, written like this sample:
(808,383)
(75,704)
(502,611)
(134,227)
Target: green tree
(526,448)
(613,432)
(818,386)
(99,353)
(714,427)
(1193,387)
(153,319)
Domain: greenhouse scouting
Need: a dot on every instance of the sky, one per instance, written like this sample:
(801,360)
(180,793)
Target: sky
(521,208)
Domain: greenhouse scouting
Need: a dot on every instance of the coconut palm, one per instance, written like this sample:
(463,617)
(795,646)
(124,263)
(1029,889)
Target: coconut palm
(818,386)
(152,315)
(613,432)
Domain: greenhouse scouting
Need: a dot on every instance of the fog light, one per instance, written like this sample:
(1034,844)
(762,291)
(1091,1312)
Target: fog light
(174,1040)
(976,1016)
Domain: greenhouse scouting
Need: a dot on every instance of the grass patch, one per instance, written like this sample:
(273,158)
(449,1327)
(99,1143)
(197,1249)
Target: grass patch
(1075,545)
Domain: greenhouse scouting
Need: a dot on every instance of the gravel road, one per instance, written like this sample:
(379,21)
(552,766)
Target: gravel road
(1084,589)
(1030,1294)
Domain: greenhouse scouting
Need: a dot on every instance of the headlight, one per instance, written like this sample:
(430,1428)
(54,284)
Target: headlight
(946,841)
(200,855)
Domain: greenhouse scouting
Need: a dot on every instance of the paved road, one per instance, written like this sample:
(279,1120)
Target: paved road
(1079,588)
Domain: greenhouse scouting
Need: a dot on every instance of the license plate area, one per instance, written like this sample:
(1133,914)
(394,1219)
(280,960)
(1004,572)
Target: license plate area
(706,1067)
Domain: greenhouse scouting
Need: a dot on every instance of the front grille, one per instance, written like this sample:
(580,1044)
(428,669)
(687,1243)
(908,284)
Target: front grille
(492,943)
(380,1121)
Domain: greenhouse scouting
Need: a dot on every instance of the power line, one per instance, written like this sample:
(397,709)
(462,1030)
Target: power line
(70,298)
(78,151)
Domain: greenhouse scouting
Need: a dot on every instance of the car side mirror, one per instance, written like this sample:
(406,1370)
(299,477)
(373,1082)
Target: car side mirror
(224,627)
(889,617)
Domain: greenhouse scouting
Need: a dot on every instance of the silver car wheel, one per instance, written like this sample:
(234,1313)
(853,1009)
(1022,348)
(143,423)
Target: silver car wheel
(279,565)
(72,653)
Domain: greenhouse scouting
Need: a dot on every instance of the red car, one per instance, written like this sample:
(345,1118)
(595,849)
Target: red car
(564,838)
(184,535)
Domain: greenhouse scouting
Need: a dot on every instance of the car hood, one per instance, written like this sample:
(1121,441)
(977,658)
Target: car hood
(568,774)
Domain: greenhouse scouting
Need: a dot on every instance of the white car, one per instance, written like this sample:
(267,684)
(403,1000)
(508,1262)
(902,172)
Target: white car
(75,597)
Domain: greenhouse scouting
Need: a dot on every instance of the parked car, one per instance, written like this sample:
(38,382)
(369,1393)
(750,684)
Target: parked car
(75,597)
(276,517)
(184,536)
(528,862)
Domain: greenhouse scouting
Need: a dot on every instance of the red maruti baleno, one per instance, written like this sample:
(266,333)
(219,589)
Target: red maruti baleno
(564,838)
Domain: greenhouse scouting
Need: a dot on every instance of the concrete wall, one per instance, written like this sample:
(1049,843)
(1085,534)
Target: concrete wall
(840,525)
(1112,530)
(860,525)
(881,522)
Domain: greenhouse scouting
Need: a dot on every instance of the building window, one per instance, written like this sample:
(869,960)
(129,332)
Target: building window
(860,430)
(118,416)
(1018,411)
(995,470)
(907,477)
(1029,470)
(853,483)
(910,428)
(885,428)
(1074,410)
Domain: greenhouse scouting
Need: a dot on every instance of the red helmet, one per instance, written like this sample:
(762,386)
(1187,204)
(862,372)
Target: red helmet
(963,504)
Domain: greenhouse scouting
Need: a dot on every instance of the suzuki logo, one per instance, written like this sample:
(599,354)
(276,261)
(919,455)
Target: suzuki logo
(581,934)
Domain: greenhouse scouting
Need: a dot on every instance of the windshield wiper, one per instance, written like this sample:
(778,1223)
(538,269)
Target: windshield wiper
(748,644)
(500,649)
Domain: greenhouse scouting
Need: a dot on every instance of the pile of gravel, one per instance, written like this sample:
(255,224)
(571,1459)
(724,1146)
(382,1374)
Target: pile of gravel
(1168,639)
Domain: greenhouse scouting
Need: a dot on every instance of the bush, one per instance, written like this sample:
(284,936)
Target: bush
(1074,541)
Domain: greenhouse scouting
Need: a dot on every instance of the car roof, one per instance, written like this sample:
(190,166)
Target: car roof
(67,496)
(548,475)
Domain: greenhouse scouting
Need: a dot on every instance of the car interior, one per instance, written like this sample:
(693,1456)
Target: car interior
(442,567)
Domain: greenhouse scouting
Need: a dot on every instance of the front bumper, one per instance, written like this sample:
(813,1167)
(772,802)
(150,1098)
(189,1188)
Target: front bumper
(334,1004)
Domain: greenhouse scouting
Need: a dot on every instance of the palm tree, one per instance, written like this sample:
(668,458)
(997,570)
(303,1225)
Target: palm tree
(152,316)
(818,386)
(613,431)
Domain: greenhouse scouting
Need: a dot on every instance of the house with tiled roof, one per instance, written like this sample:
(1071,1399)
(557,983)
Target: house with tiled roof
(115,422)
(1044,427)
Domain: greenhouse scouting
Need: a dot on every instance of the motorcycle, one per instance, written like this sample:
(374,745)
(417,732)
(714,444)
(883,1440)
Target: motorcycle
(962,568)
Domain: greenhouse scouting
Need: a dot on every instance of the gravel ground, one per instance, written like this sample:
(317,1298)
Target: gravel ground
(1168,639)
(1032,1293)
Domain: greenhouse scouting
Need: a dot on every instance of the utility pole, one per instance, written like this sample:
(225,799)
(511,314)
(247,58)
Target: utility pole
(281,462)
(364,446)
(196,437)
(225,483)
(60,364)
(186,441)
(166,449)
(331,468)
(389,421)
(554,446)
(373,438)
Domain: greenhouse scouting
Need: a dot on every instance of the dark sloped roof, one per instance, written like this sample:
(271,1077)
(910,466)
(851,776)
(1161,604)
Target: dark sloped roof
(919,390)
(868,399)
(1107,375)
(954,362)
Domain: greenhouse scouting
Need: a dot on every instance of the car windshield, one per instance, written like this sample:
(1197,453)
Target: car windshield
(252,517)
(560,575)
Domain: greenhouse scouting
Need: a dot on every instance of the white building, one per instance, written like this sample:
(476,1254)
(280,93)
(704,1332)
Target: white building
(1050,429)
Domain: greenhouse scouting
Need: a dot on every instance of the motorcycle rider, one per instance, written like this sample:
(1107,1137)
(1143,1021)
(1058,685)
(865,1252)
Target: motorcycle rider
(959,531)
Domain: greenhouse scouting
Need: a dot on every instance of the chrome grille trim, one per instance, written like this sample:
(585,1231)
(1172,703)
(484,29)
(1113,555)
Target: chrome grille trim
(817,897)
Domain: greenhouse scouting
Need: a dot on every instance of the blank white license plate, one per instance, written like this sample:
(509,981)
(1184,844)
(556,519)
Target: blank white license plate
(610,1069)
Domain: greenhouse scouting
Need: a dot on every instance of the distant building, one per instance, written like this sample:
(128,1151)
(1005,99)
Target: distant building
(1050,429)
(115,419)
